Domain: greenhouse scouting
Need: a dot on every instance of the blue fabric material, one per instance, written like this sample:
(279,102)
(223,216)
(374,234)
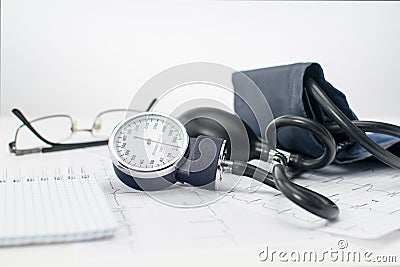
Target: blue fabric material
(357,152)
(283,87)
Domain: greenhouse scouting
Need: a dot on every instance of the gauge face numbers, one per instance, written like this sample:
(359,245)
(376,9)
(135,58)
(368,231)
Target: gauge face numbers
(150,141)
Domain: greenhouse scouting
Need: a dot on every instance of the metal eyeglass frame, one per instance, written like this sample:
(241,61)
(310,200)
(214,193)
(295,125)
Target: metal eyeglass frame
(53,147)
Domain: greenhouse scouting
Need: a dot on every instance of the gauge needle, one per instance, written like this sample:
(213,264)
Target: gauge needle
(149,141)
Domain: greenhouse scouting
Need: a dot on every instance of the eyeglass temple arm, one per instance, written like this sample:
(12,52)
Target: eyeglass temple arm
(54,148)
(20,152)
(60,147)
(151,104)
(25,121)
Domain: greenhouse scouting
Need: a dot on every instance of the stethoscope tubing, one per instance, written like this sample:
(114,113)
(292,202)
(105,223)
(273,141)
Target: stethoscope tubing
(351,129)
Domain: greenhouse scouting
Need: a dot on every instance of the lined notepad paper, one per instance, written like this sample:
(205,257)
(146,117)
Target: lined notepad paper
(52,207)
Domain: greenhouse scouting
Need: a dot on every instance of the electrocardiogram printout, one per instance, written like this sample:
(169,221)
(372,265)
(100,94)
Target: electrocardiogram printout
(367,193)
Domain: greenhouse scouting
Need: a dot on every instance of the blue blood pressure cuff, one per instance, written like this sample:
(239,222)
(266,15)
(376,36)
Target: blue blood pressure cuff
(283,88)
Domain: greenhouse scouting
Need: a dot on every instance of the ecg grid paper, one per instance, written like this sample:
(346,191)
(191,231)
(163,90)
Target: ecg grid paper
(52,205)
(367,194)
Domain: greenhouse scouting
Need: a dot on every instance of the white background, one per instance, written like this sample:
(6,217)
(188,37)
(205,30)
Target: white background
(81,57)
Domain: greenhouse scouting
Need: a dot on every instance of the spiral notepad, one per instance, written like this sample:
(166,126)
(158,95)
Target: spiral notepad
(43,208)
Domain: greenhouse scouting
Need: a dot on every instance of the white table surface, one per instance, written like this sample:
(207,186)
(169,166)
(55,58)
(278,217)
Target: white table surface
(110,252)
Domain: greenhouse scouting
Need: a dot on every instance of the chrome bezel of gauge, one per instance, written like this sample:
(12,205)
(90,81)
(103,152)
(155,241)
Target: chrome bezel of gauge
(146,172)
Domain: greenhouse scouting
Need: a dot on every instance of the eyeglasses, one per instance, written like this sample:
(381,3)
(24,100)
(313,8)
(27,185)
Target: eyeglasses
(54,130)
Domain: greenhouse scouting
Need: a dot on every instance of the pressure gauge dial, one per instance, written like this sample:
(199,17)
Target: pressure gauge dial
(146,147)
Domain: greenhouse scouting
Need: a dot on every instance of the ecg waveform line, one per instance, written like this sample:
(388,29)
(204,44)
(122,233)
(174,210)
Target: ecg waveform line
(119,197)
(366,196)
(366,193)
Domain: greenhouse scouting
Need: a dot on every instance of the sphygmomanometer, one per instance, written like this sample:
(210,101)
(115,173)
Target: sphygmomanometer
(311,127)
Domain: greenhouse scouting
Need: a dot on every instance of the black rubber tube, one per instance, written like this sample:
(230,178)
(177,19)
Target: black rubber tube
(298,161)
(349,127)
(303,197)
(368,126)
(245,169)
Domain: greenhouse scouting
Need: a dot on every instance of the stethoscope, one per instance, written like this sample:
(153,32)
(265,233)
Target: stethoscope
(152,151)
